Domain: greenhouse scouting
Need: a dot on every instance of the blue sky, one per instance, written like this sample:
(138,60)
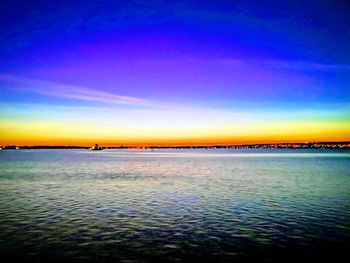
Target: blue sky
(270,60)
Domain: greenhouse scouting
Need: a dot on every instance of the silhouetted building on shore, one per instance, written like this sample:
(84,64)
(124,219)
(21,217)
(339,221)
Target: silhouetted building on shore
(96,147)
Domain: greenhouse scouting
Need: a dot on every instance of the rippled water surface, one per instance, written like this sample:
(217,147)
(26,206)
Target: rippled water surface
(170,205)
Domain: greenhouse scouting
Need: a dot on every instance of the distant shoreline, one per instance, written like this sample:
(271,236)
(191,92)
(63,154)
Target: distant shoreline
(304,145)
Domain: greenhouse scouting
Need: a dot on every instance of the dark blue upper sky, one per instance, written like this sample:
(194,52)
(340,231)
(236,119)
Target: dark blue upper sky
(224,50)
(302,30)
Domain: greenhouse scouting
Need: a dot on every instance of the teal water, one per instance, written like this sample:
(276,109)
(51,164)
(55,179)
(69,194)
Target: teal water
(174,205)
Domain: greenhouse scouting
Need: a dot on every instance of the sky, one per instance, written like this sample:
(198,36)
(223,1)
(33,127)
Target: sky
(174,73)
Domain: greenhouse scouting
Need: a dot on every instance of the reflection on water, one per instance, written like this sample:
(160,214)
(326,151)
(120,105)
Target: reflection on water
(172,205)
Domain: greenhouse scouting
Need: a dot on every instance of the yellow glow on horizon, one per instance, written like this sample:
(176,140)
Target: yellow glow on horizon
(54,133)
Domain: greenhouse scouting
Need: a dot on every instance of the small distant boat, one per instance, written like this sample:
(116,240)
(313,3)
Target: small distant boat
(96,147)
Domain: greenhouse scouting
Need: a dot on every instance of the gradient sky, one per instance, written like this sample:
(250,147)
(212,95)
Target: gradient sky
(182,72)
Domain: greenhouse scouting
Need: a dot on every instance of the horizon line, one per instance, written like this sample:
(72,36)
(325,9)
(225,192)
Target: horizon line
(177,145)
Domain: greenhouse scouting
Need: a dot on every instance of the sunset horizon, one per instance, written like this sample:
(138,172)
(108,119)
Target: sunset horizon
(185,73)
(169,143)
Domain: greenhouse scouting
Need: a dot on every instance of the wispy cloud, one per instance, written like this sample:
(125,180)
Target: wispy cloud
(106,100)
(309,66)
(54,89)
(286,64)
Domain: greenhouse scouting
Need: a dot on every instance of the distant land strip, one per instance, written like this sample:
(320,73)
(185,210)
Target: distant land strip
(304,145)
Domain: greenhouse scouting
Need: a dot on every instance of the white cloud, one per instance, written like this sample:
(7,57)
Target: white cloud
(149,113)
(49,88)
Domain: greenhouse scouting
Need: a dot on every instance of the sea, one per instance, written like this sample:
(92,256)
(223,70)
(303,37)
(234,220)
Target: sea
(174,205)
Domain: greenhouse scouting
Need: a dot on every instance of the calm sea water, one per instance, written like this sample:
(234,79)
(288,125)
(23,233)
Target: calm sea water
(173,205)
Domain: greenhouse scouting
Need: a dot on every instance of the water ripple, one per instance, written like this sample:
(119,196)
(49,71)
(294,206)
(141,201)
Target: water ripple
(143,206)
